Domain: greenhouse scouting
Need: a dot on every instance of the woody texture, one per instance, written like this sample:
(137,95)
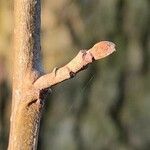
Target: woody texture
(30,83)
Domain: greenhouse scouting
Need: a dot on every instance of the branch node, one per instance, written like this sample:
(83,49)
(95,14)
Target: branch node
(71,73)
(88,57)
(55,71)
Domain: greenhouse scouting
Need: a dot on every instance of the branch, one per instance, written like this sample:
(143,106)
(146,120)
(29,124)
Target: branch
(80,62)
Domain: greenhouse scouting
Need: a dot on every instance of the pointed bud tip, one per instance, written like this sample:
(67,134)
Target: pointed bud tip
(102,49)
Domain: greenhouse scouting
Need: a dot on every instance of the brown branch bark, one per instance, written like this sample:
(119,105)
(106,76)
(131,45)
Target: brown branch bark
(27,68)
(80,62)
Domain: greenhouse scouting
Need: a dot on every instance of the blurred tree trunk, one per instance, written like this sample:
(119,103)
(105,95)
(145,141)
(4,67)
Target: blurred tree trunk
(4,96)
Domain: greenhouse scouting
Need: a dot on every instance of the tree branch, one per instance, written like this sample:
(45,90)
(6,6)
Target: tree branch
(80,62)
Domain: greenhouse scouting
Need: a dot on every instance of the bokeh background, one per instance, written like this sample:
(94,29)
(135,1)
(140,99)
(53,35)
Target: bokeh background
(107,106)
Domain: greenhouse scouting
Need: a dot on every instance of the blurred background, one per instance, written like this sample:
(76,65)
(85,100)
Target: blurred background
(105,107)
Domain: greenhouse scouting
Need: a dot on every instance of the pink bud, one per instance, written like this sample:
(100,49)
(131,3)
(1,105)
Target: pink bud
(102,49)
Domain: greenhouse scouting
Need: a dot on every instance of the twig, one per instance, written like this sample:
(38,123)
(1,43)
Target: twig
(80,62)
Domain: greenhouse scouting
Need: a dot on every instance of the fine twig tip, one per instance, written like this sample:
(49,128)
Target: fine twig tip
(102,49)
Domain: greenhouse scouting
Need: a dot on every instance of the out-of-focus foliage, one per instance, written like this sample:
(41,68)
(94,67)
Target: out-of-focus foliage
(105,107)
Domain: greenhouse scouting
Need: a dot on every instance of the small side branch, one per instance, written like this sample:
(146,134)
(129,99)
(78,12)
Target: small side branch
(80,62)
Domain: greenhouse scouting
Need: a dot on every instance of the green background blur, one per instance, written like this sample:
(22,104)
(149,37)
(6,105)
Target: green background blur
(107,106)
